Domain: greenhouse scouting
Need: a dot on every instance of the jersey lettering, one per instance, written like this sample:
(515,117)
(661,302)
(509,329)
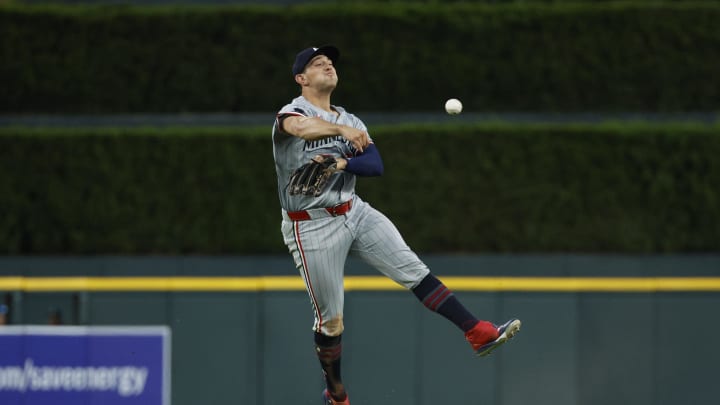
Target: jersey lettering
(312,145)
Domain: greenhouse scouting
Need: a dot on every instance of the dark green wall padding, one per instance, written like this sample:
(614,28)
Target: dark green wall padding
(256,348)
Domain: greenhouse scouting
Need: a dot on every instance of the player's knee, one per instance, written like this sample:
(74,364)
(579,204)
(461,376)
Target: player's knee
(416,277)
(333,327)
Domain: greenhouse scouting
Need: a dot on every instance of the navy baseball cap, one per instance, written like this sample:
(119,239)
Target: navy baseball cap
(306,55)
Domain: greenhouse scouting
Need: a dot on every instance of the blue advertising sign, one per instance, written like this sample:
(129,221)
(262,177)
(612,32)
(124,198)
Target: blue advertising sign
(84,365)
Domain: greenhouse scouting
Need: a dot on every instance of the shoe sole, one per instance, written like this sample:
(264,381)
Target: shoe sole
(511,329)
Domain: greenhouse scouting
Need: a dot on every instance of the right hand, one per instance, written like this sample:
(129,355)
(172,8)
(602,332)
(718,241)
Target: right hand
(358,138)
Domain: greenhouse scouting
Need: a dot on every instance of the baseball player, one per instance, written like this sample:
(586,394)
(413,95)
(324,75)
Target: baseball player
(320,150)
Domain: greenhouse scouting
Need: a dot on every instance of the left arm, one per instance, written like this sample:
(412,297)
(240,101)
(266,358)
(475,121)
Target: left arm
(368,163)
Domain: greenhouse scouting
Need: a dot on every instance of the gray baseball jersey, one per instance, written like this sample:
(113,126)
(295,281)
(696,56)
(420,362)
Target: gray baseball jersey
(292,152)
(320,245)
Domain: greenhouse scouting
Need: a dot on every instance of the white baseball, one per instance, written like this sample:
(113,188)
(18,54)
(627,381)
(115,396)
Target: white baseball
(453,106)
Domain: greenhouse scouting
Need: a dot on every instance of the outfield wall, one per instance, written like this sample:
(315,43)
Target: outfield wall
(596,329)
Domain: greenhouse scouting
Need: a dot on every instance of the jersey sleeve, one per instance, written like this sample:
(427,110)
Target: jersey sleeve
(290,110)
(294,109)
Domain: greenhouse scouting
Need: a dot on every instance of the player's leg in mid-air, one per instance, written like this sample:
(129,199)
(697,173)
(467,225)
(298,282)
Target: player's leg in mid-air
(379,243)
(320,248)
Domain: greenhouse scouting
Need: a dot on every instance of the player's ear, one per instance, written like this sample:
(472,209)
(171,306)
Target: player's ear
(300,78)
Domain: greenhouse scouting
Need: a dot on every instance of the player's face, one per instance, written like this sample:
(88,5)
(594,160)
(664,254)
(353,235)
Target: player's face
(321,73)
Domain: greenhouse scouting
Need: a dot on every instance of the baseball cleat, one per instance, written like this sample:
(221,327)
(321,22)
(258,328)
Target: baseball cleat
(328,400)
(480,333)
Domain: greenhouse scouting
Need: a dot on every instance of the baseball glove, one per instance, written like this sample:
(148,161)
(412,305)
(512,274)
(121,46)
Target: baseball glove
(311,178)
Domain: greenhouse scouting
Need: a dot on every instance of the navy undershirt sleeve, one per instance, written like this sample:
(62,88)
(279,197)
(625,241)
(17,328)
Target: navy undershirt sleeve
(369,163)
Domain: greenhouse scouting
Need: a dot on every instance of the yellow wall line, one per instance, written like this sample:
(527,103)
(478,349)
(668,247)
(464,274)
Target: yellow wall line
(359,283)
